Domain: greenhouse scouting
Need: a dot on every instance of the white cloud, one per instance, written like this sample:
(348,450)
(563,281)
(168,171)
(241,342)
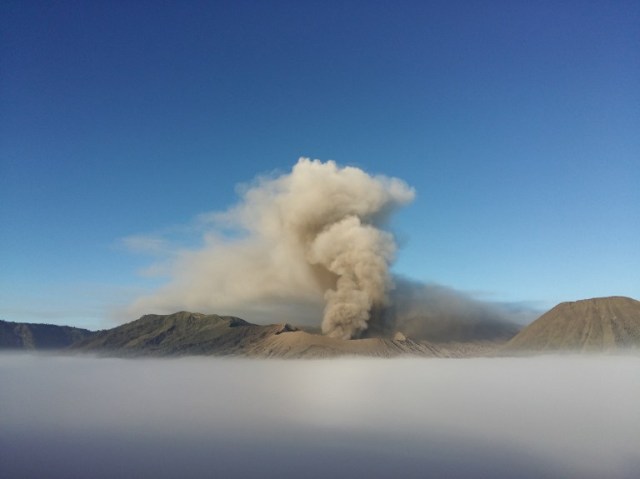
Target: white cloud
(499,418)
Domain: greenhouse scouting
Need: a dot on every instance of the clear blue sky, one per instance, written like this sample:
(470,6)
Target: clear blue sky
(518,124)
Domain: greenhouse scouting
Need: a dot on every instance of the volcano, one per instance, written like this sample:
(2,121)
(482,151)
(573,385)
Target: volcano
(590,325)
(189,334)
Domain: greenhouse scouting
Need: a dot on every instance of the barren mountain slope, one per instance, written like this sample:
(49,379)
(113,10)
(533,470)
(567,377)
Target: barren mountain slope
(175,334)
(297,344)
(598,324)
(185,333)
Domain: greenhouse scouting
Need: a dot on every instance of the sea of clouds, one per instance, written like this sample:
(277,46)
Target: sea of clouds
(545,417)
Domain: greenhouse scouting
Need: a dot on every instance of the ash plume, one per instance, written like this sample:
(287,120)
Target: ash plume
(428,311)
(312,236)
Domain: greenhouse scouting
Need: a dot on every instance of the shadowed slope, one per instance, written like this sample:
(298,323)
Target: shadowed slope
(598,324)
(39,336)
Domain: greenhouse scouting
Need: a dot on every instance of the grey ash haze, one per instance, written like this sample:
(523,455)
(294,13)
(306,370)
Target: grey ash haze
(312,237)
(547,417)
(312,247)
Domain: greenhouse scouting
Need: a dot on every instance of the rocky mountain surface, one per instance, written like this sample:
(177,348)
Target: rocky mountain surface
(184,333)
(39,336)
(593,325)
(590,325)
(297,344)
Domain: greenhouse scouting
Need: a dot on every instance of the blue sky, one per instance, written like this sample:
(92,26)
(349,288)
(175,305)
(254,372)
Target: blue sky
(516,122)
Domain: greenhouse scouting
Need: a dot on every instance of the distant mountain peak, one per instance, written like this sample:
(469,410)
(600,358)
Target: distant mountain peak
(595,324)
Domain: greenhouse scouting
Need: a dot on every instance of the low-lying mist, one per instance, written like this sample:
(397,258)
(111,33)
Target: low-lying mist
(211,417)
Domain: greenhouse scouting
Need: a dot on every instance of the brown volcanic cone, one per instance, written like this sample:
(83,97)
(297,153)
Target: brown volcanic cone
(598,324)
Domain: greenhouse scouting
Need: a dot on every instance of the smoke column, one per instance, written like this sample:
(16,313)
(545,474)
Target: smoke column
(314,233)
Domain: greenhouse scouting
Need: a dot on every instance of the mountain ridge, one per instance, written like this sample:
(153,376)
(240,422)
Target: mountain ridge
(591,325)
(185,333)
(34,336)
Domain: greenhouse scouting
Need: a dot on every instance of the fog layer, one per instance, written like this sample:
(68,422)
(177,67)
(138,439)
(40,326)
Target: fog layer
(542,417)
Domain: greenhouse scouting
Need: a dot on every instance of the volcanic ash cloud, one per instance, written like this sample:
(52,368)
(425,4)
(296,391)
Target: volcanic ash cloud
(316,232)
